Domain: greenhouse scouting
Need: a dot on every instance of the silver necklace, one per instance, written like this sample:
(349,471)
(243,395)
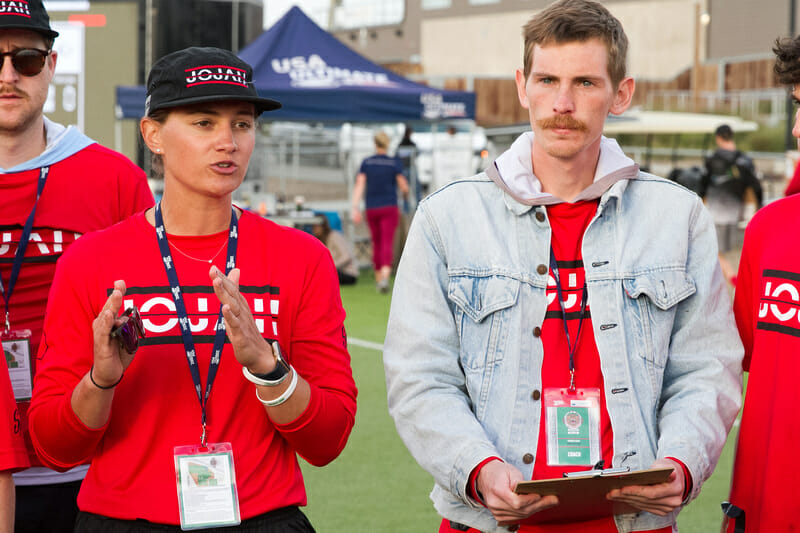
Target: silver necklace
(195,258)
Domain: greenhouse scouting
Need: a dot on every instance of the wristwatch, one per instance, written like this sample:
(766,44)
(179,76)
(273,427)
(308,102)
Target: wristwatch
(278,374)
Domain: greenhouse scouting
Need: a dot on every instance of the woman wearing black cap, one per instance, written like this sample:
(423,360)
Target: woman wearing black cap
(202,426)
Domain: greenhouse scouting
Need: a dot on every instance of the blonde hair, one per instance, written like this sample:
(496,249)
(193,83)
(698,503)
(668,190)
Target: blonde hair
(382,140)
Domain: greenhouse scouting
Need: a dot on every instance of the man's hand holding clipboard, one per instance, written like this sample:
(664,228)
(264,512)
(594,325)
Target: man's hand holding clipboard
(660,498)
(596,493)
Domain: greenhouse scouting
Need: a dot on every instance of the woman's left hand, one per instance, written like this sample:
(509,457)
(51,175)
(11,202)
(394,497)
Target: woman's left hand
(249,347)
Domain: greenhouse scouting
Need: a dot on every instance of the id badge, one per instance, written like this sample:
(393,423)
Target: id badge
(17,351)
(572,426)
(206,479)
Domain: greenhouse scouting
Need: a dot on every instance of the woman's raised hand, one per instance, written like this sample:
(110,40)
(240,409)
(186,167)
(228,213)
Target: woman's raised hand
(110,361)
(249,347)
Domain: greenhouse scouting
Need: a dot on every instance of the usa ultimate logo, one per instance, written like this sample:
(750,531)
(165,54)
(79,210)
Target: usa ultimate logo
(779,308)
(18,7)
(215,74)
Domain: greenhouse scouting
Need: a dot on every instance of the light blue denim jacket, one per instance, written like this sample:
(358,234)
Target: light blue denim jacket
(462,362)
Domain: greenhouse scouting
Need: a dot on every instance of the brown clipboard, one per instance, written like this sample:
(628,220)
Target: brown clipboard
(584,498)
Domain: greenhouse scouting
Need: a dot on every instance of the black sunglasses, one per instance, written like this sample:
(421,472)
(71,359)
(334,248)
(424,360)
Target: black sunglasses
(26,61)
(130,330)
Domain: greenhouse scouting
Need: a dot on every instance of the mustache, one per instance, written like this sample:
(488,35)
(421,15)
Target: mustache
(6,89)
(561,122)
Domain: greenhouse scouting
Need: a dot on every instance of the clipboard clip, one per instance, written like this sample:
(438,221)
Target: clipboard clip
(598,473)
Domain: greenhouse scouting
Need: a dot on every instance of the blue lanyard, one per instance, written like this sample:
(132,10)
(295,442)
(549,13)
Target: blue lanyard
(183,317)
(19,256)
(584,298)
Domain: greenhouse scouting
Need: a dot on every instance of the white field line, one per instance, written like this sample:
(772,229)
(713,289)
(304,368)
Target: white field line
(365,344)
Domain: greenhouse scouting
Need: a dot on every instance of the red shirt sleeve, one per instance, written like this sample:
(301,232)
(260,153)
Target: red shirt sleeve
(134,192)
(472,488)
(318,352)
(140,193)
(13,455)
(66,356)
(687,476)
(794,185)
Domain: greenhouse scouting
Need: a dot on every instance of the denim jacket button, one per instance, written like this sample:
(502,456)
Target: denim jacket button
(527,458)
(542,269)
(536,395)
(537,331)
(539,216)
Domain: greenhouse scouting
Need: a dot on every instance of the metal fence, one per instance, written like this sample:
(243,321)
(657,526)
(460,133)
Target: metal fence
(765,105)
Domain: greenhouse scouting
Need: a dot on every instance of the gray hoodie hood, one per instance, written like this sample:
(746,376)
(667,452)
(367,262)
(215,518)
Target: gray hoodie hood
(61,143)
(512,171)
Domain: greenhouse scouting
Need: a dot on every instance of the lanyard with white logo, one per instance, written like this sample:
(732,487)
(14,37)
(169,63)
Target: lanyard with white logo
(584,297)
(572,416)
(183,317)
(23,245)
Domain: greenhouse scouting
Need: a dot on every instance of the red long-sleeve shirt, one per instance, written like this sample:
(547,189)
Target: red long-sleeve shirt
(289,281)
(767,309)
(12,448)
(89,190)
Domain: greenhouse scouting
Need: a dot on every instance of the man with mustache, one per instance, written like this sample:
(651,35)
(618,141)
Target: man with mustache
(55,185)
(563,310)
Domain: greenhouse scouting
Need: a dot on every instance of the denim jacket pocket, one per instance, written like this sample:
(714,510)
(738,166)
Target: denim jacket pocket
(653,297)
(483,308)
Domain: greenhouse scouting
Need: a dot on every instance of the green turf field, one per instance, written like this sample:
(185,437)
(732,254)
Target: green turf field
(375,485)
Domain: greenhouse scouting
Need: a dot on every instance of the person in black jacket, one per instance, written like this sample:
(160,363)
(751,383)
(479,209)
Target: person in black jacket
(729,175)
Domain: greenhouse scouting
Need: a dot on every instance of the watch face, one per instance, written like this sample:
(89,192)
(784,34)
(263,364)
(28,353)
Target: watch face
(281,366)
(276,349)
(279,360)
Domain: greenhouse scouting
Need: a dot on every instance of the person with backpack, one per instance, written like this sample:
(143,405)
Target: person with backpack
(730,174)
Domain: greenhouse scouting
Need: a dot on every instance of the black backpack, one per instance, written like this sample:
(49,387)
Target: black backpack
(731,175)
(691,178)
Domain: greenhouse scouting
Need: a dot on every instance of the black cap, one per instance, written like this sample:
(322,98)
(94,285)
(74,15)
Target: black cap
(26,15)
(195,75)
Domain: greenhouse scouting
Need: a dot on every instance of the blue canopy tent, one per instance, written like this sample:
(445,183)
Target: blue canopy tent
(317,78)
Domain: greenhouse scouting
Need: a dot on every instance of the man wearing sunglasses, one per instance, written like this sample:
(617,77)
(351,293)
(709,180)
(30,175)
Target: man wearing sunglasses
(55,185)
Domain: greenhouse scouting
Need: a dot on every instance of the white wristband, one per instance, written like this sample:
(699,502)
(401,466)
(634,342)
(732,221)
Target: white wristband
(283,397)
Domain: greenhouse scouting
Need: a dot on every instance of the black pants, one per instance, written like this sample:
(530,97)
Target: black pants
(46,508)
(284,520)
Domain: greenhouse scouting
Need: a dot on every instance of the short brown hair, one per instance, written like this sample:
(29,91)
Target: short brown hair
(568,21)
(787,62)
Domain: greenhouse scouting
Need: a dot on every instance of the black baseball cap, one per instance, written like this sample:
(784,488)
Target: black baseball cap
(198,74)
(26,15)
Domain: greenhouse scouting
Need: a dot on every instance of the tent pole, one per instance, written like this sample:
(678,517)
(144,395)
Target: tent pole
(282,167)
(235,26)
(349,168)
(296,157)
